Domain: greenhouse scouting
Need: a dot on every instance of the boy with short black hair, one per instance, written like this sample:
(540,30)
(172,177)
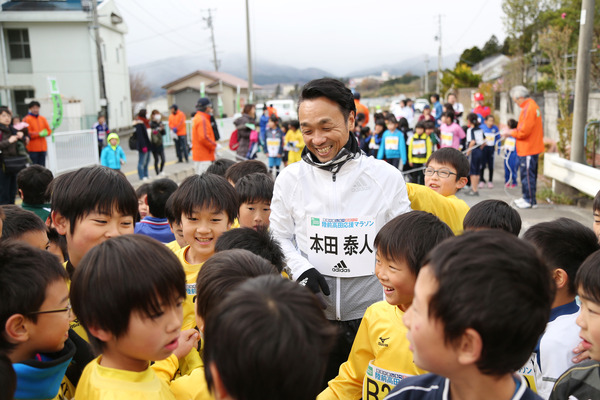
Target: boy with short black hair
(380,356)
(467,323)
(581,381)
(493,214)
(243,168)
(139,322)
(206,205)
(175,227)
(89,206)
(220,166)
(445,174)
(155,224)
(142,194)
(258,241)
(281,319)
(254,195)
(24,226)
(32,184)
(34,316)
(564,245)
(221,274)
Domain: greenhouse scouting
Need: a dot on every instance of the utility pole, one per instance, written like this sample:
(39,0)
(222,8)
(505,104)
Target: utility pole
(102,83)
(582,78)
(249,52)
(438,82)
(209,25)
(426,74)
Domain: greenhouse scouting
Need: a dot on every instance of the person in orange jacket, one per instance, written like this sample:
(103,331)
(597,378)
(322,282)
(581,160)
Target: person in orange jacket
(530,143)
(204,145)
(177,125)
(38,130)
(361,108)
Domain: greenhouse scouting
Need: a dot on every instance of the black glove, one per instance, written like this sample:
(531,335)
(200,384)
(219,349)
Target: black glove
(313,280)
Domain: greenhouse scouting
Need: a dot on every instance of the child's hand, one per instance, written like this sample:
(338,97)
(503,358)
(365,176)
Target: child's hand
(144,150)
(581,353)
(410,164)
(122,162)
(188,339)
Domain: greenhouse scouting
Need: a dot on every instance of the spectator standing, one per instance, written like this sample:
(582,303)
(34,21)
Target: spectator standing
(142,126)
(157,131)
(480,109)
(101,132)
(204,145)
(456,106)
(177,126)
(9,143)
(361,108)
(245,125)
(530,143)
(437,107)
(38,130)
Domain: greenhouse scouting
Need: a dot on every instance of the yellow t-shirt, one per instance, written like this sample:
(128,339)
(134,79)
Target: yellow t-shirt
(379,359)
(173,246)
(295,139)
(450,209)
(186,387)
(101,383)
(191,275)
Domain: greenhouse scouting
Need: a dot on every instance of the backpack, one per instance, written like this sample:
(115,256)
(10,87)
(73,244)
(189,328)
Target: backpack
(233,141)
(133,141)
(156,138)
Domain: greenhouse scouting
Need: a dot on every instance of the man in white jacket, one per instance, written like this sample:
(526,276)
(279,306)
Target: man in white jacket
(327,209)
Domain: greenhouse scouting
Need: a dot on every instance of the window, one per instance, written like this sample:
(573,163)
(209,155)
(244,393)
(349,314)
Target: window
(18,44)
(20,97)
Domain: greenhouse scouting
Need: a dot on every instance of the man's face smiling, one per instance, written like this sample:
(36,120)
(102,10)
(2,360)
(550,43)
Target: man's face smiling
(323,127)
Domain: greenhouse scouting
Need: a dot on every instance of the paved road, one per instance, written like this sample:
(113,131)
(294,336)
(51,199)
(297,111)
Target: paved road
(544,212)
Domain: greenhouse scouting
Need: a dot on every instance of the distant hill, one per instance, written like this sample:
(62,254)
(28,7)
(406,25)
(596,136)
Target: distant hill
(161,72)
(415,65)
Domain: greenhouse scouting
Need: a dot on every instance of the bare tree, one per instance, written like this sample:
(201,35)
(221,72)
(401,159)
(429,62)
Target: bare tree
(140,91)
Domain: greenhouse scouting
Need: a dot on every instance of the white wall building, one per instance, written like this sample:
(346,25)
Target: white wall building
(41,39)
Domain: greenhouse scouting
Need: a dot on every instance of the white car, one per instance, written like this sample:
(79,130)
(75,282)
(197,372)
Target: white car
(286,109)
(420,104)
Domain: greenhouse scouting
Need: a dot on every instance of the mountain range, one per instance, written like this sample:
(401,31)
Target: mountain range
(161,72)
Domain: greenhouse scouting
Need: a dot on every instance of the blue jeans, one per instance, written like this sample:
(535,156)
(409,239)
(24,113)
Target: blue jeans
(529,168)
(38,157)
(143,164)
(181,148)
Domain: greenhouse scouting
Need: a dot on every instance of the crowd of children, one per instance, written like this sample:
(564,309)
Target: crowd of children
(181,292)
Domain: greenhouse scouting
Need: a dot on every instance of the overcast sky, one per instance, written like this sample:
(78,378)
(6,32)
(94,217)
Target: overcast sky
(335,35)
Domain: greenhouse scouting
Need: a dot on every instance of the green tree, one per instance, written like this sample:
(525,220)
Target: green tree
(491,47)
(471,56)
(460,77)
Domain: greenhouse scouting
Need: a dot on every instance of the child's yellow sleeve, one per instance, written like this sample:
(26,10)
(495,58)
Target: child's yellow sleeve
(450,210)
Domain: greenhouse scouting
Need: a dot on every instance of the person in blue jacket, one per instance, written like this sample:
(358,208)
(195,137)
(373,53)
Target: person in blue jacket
(113,155)
(264,120)
(393,146)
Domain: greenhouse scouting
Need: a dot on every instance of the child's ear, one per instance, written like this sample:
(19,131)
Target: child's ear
(16,329)
(219,388)
(560,277)
(461,182)
(20,193)
(469,347)
(61,223)
(101,334)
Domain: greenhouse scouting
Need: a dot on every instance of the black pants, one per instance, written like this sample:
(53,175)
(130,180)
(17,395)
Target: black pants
(159,158)
(341,349)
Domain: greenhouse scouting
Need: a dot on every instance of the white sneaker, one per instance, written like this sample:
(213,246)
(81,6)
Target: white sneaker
(145,179)
(522,203)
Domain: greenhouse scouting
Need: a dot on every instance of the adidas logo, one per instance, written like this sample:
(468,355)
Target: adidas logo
(340,267)
(360,187)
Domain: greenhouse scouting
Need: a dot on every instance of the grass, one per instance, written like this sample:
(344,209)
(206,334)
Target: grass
(546,194)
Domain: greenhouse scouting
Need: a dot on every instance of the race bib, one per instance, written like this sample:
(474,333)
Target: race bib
(419,147)
(478,137)
(391,143)
(510,143)
(342,247)
(273,145)
(490,139)
(101,135)
(379,382)
(446,139)
(528,372)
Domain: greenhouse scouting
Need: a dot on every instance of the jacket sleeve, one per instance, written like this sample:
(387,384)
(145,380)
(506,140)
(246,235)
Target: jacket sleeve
(461,133)
(283,227)
(429,145)
(165,369)
(45,125)
(348,384)
(206,136)
(447,209)
(410,146)
(526,124)
(402,145)
(399,203)
(381,151)
(122,154)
